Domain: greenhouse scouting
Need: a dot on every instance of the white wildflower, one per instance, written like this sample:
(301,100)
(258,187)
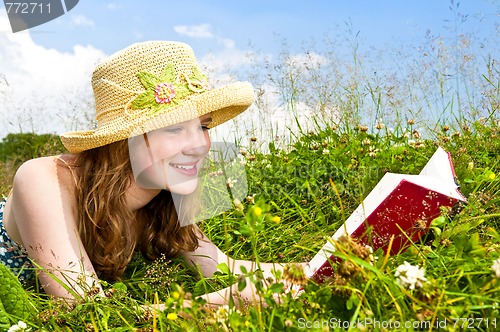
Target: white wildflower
(251,199)
(230,183)
(20,326)
(238,205)
(419,145)
(496,267)
(326,151)
(410,276)
(371,258)
(222,313)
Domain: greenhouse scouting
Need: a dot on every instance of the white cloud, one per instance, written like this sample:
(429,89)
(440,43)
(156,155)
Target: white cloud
(269,120)
(81,20)
(113,6)
(227,43)
(42,89)
(194,31)
(204,31)
(225,59)
(138,35)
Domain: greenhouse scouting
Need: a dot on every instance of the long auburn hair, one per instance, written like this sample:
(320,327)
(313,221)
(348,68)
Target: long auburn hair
(109,230)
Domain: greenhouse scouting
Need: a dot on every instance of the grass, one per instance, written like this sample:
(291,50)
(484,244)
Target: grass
(294,208)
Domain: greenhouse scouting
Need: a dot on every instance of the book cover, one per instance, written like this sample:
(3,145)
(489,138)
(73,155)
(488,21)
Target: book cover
(400,205)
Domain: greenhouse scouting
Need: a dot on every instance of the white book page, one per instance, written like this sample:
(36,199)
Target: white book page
(440,167)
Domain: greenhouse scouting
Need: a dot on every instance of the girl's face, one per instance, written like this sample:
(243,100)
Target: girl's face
(171,158)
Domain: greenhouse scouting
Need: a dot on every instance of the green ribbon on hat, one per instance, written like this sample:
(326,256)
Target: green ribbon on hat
(167,90)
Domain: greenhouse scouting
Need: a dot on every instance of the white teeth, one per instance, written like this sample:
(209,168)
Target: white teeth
(184,167)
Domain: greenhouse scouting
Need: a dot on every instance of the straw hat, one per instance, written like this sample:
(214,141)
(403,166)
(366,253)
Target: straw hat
(151,85)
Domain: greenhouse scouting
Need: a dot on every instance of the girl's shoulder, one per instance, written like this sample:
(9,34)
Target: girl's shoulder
(45,173)
(42,187)
(50,165)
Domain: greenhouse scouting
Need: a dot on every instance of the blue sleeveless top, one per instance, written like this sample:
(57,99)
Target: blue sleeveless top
(13,255)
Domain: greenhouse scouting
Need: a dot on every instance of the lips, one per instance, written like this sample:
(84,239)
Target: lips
(189,169)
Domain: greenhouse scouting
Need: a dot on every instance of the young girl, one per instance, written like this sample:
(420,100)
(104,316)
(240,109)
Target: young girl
(125,186)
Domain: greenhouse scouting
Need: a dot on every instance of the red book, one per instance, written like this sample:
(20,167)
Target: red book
(400,205)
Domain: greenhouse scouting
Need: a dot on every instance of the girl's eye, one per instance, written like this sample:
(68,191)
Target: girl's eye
(173,130)
(204,127)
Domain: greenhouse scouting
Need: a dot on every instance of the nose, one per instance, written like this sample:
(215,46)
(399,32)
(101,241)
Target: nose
(197,143)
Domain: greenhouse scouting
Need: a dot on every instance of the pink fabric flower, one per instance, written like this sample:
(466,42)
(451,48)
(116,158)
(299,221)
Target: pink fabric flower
(164,93)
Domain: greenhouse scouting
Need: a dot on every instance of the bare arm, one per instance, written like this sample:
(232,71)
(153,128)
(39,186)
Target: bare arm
(208,256)
(42,207)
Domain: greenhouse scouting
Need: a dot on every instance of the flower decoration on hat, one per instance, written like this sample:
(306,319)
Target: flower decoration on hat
(164,93)
(168,89)
(198,82)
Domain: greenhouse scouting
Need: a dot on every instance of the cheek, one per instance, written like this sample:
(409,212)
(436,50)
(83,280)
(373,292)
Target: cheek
(164,152)
(164,147)
(207,140)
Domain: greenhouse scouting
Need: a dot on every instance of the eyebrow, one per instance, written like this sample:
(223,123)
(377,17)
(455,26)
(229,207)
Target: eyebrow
(207,120)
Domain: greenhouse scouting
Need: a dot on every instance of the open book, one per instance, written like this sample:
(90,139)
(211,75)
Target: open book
(400,205)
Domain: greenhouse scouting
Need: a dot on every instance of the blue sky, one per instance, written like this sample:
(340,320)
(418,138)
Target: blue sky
(52,63)
(110,26)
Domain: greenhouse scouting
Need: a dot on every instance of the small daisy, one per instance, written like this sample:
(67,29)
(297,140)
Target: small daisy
(251,199)
(410,276)
(238,205)
(20,326)
(496,267)
(230,183)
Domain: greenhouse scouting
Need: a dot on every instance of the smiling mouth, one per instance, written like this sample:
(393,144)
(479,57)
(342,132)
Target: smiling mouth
(186,169)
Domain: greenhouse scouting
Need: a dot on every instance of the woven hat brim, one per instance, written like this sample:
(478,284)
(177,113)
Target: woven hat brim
(223,103)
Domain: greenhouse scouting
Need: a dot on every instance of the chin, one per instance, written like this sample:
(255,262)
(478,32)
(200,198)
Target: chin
(183,188)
